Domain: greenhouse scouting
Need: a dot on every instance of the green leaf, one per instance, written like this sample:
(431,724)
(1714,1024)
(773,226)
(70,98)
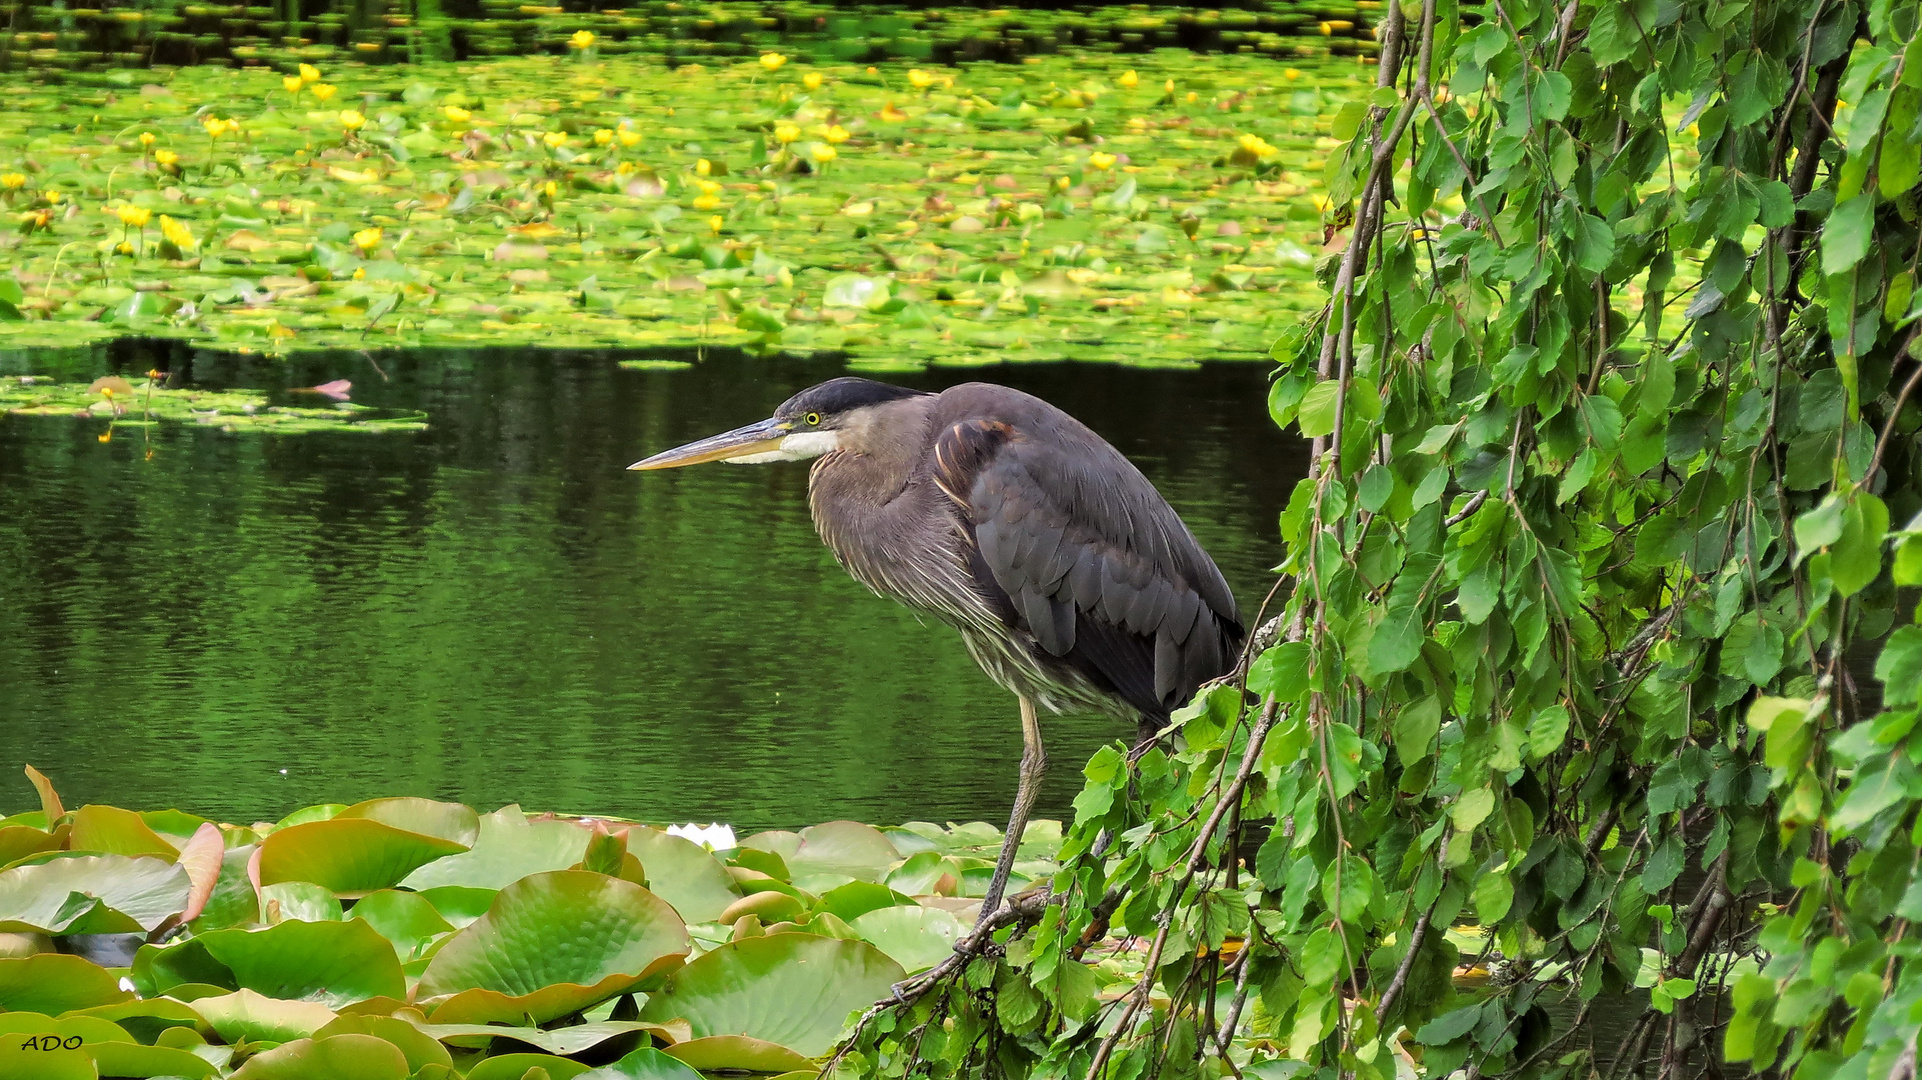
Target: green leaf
(1847,234)
(1280,672)
(1857,553)
(1415,729)
(795,990)
(1317,414)
(1594,243)
(1450,1026)
(1494,894)
(1820,527)
(552,944)
(1900,667)
(1546,730)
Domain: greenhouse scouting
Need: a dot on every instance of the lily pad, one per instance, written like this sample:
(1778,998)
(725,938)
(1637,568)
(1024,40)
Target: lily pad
(407,920)
(258,1018)
(507,848)
(515,1066)
(113,831)
(20,841)
(54,983)
(916,937)
(133,1059)
(427,817)
(334,963)
(340,1057)
(567,1041)
(21,1063)
(683,873)
(92,894)
(420,1048)
(720,1052)
(646,1063)
(351,856)
(88,1029)
(795,990)
(862,852)
(554,943)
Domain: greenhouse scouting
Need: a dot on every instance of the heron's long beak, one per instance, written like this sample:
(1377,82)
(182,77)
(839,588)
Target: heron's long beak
(743,442)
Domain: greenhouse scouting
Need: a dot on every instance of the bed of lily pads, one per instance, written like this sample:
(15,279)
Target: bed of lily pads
(1150,208)
(405,937)
(151,401)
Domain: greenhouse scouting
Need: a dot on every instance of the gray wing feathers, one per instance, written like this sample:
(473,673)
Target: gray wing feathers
(1070,530)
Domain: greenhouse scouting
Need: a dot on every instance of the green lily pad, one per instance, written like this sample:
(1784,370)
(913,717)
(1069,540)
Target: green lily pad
(258,1018)
(683,873)
(795,990)
(515,1066)
(334,963)
(567,1041)
(21,1063)
(862,852)
(55,983)
(646,1063)
(341,1057)
(458,904)
(779,842)
(133,1059)
(407,920)
(92,894)
(916,937)
(89,1029)
(420,1048)
(718,1052)
(145,1018)
(768,906)
(507,848)
(113,831)
(857,898)
(427,817)
(554,943)
(350,855)
(301,901)
(234,901)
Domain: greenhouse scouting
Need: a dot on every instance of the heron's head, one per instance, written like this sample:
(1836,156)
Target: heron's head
(807,425)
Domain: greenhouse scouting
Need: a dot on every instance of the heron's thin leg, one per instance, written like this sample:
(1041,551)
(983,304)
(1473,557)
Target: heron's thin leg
(1034,763)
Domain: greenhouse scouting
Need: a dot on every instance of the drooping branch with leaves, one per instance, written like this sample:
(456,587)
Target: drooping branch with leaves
(1592,680)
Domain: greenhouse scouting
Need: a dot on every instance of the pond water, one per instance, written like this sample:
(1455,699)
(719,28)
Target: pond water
(495,611)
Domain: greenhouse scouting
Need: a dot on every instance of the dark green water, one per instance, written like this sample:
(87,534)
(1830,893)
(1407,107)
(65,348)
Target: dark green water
(496,611)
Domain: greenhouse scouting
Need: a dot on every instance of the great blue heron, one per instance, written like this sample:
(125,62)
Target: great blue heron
(1071,580)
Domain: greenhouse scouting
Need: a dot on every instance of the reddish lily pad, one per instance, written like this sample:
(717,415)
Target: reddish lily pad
(552,944)
(113,831)
(258,1018)
(351,856)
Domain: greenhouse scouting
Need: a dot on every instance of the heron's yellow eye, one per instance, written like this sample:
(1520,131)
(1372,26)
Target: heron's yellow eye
(813,419)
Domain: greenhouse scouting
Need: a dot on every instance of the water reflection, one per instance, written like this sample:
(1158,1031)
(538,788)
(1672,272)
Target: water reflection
(495,611)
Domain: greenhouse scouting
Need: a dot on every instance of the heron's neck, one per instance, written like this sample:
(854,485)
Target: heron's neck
(878,450)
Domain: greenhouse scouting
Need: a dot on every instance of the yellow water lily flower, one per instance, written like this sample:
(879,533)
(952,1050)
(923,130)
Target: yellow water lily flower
(629,138)
(367,239)
(1291,74)
(919,79)
(707,202)
(785,133)
(177,234)
(1128,79)
(716,222)
(823,153)
(551,189)
(165,158)
(216,127)
(1257,146)
(146,138)
(1168,87)
(708,187)
(703,167)
(133,217)
(52,196)
(836,135)
(1101,161)
(604,137)
(555,139)
(626,168)
(812,80)
(457,114)
(1061,182)
(292,83)
(582,39)
(13,181)
(309,73)
(322,91)
(772,61)
(352,119)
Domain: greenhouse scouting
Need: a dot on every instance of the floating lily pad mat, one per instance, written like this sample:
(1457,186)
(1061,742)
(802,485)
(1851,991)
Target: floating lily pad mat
(388,937)
(1156,208)
(149,401)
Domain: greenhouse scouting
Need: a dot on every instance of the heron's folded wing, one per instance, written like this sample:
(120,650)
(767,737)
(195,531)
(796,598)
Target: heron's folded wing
(1093,561)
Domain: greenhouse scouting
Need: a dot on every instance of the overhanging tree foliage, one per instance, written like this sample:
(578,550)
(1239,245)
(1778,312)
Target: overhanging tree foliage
(1612,412)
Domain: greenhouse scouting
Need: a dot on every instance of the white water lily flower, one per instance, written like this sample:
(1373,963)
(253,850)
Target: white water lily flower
(714,837)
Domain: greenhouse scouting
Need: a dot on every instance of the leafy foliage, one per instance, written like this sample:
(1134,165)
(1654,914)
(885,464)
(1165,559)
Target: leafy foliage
(1569,683)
